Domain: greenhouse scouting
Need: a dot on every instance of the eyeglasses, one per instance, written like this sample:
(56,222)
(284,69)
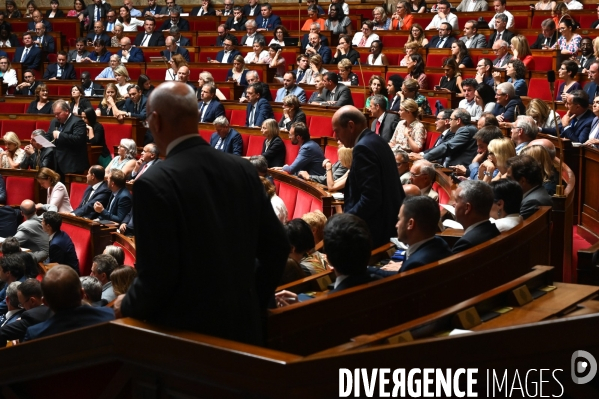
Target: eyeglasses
(453,119)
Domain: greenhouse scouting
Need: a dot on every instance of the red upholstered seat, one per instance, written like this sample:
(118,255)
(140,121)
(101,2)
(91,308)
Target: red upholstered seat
(209,24)
(543,63)
(206,133)
(431,139)
(433,100)
(303,204)
(298,202)
(394,41)
(228,114)
(330,153)
(254,146)
(538,88)
(237,117)
(219,74)
(114,132)
(13,108)
(209,53)
(443,196)
(82,240)
(435,60)
(42,125)
(18,189)
(246,139)
(156,73)
(291,151)
(95,71)
(358,98)
(521,22)
(278,115)
(434,79)
(288,194)
(76,193)
(129,257)
(320,126)
(22,128)
(273,93)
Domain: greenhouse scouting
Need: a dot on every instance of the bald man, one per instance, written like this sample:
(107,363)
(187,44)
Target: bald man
(373,190)
(62,293)
(129,53)
(200,188)
(547,144)
(183,76)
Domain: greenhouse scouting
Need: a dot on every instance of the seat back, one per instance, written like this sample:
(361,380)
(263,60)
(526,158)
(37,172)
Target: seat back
(76,192)
(431,139)
(22,128)
(19,189)
(291,151)
(114,132)
(320,126)
(538,88)
(238,117)
(82,241)
(254,146)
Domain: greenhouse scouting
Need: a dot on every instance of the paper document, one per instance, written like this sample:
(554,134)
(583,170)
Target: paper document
(41,140)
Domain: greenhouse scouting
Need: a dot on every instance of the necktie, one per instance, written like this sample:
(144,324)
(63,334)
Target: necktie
(594,130)
(219,144)
(25,54)
(142,170)
(136,108)
(97,14)
(300,75)
(111,202)
(440,45)
(583,59)
(110,27)
(88,196)
(286,92)
(251,120)
(202,112)
(572,122)
(41,40)
(378,126)
(264,22)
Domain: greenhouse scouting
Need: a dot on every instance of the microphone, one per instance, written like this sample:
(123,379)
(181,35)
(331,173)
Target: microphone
(559,189)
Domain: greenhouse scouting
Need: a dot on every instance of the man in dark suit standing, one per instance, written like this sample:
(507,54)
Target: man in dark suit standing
(267,20)
(36,156)
(226,139)
(383,123)
(61,69)
(549,36)
(209,107)
(119,204)
(224,307)
(258,109)
(29,55)
(96,192)
(69,134)
(135,105)
(335,94)
(149,38)
(62,250)
(474,199)
(444,39)
(175,20)
(527,173)
(372,190)
(172,49)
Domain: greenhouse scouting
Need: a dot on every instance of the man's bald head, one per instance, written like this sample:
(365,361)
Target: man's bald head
(125,41)
(411,190)
(62,288)
(348,122)
(28,208)
(169,40)
(548,145)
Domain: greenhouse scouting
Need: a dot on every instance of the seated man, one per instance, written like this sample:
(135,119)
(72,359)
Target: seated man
(335,94)
(444,39)
(316,47)
(226,138)
(483,137)
(120,202)
(172,48)
(179,40)
(203,10)
(135,105)
(228,52)
(423,175)
(30,233)
(526,171)
(309,157)
(42,40)
(28,85)
(501,48)
(90,89)
(97,34)
(471,38)
(175,20)
(289,87)
(62,249)
(578,121)
(258,109)
(96,192)
(254,77)
(92,291)
(12,304)
(149,37)
(61,69)
(36,156)
(474,199)
(12,268)
(209,107)
(102,267)
(63,294)
(444,14)
(29,55)
(149,156)
(314,28)
(116,252)
(508,105)
(38,17)
(347,240)
(267,20)
(129,53)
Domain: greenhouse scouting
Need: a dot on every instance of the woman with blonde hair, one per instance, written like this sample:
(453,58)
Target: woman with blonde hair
(521,51)
(544,5)
(315,69)
(346,76)
(122,277)
(42,103)
(176,62)
(12,157)
(57,192)
(7,72)
(117,35)
(122,80)
(499,150)
(207,78)
(380,19)
(335,174)
(541,155)
(410,134)
(544,116)
(238,72)
(417,35)
(411,89)
(112,102)
(125,160)
(277,203)
(273,148)
(410,48)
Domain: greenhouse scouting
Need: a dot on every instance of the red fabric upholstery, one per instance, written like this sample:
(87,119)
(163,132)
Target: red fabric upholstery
(156,73)
(394,41)
(443,196)
(330,153)
(358,98)
(82,240)
(431,139)
(255,144)
(433,100)
(18,189)
(288,194)
(245,138)
(203,24)
(220,75)
(434,79)
(291,151)
(298,202)
(22,128)
(435,60)
(129,257)
(206,133)
(303,204)
(95,71)
(114,132)
(538,88)
(228,114)
(320,126)
(543,63)
(237,117)
(76,193)
(208,53)
(13,108)
(42,125)
(521,22)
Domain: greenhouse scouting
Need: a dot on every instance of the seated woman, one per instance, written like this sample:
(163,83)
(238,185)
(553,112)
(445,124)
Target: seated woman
(417,35)
(117,34)
(128,23)
(273,148)
(7,38)
(122,80)
(345,75)
(516,72)
(206,77)
(550,173)
(410,133)
(410,49)
(507,197)
(569,42)
(452,81)
(365,37)
(146,84)
(54,11)
(11,9)
(461,55)
(402,17)
(125,160)
(485,97)
(302,247)
(41,104)
(521,51)
(279,37)
(567,72)
(336,174)
(238,72)
(377,86)
(499,150)
(112,102)
(176,62)
(277,203)
(12,157)
(410,89)
(277,61)
(100,54)
(313,18)
(31,7)
(121,278)
(57,192)
(316,96)
(291,113)
(545,5)
(78,101)
(345,50)
(316,69)
(338,22)
(544,116)
(380,19)
(7,73)
(376,56)
(259,55)
(78,8)
(416,71)
(95,135)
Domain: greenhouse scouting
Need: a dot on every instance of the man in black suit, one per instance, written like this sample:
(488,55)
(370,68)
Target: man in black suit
(251,9)
(209,106)
(586,57)
(227,11)
(110,21)
(96,12)
(444,39)
(97,34)
(135,105)
(501,32)
(383,123)
(12,268)
(29,293)
(237,21)
(62,250)
(251,36)
(335,94)
(229,51)
(314,28)
(175,20)
(119,204)
(36,156)
(149,37)
(527,173)
(69,134)
(203,10)
(549,36)
(12,303)
(172,49)
(372,190)
(61,70)
(96,192)
(258,109)
(37,17)
(90,89)
(181,41)
(29,55)
(229,308)
(474,199)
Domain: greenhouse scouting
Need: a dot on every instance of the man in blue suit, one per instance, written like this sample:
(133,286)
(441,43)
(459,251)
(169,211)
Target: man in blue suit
(592,88)
(97,34)
(578,120)
(152,9)
(172,49)
(258,109)
(120,201)
(38,18)
(63,294)
(129,53)
(316,47)
(175,20)
(209,107)
(227,53)
(29,56)
(444,39)
(96,192)
(373,190)
(289,87)
(267,21)
(135,105)
(226,139)
(62,250)
(44,41)
(61,70)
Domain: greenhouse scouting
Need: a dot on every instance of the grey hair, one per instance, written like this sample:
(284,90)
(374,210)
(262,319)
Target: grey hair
(251,22)
(404,155)
(92,288)
(507,88)
(380,100)
(221,121)
(131,148)
(502,17)
(38,132)
(548,23)
(527,128)
(478,194)
(427,168)
(463,115)
(62,104)
(11,294)
(254,73)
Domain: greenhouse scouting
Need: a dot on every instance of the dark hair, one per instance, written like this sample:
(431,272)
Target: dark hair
(571,67)
(299,235)
(347,243)
(14,264)
(519,68)
(380,43)
(30,287)
(91,116)
(52,219)
(340,14)
(490,119)
(260,164)
(510,192)
(444,3)
(332,76)
(301,130)
(487,62)
(81,40)
(368,23)
(98,172)
(10,245)
(570,23)
(257,88)
(106,264)
(463,50)
(418,69)
(281,27)
(470,82)
(276,47)
(486,93)
(347,39)
(31,266)
(581,98)
(488,133)
(425,211)
(396,81)
(527,167)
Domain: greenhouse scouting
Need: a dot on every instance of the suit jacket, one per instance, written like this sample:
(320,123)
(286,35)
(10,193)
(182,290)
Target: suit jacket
(591,89)
(309,158)
(156,39)
(97,90)
(298,117)
(103,36)
(90,11)
(247,9)
(435,41)
(269,23)
(156,11)
(63,251)
(220,54)
(531,202)
(183,42)
(325,53)
(211,112)
(180,50)
(233,142)
(430,251)
(182,24)
(196,10)
(227,307)
(58,14)
(587,63)
(481,5)
(262,113)
(324,41)
(26,90)
(481,233)
(48,44)
(387,127)
(275,154)
(31,235)
(9,219)
(72,55)
(135,54)
(86,208)
(28,318)
(256,37)
(459,149)
(71,145)
(353,281)
(497,60)
(46,160)
(478,41)
(506,35)
(237,25)
(512,109)
(33,60)
(67,320)
(67,73)
(141,108)
(47,25)
(120,206)
(538,44)
(297,91)
(580,132)
(372,190)
(342,96)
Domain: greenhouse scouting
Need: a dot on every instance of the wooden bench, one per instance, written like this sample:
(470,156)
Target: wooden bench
(128,246)
(301,197)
